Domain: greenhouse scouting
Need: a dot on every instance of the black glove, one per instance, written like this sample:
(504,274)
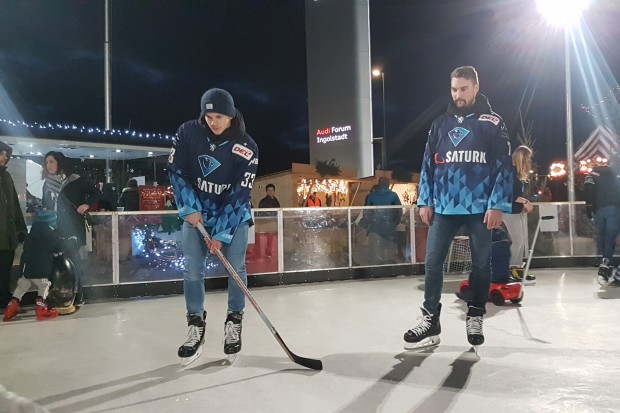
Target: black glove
(590,212)
(21,236)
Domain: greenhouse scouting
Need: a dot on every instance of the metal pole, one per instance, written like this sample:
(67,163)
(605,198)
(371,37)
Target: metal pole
(569,123)
(383,142)
(569,141)
(107,83)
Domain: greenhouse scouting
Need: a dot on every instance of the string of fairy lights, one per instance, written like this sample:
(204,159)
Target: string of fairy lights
(612,97)
(337,186)
(85,130)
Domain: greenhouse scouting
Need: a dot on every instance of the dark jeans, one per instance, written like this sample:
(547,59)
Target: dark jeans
(6,263)
(441,232)
(608,227)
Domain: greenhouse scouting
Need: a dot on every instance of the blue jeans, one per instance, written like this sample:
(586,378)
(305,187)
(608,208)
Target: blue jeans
(195,251)
(440,235)
(608,227)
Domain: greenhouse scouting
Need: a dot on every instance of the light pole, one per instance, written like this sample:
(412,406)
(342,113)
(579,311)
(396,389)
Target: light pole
(566,14)
(379,73)
(569,120)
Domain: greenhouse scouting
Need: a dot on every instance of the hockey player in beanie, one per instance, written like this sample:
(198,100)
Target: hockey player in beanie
(212,166)
(218,101)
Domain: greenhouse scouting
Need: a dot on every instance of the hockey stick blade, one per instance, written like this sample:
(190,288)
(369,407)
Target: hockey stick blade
(302,361)
(313,364)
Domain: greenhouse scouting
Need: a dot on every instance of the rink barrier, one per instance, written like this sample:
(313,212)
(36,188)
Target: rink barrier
(140,253)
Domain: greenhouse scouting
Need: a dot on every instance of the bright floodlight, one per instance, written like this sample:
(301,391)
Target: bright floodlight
(562,13)
(376,72)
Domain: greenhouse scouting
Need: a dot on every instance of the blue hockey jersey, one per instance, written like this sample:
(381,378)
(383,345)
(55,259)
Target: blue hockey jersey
(467,167)
(213,177)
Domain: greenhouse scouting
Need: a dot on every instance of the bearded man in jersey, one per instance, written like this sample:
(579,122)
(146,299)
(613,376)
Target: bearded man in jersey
(212,168)
(465,181)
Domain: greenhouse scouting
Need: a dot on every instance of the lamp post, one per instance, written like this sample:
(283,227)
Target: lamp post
(379,73)
(566,14)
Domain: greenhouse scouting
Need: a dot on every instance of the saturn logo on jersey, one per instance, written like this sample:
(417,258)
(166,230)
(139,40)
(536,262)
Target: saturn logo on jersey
(208,164)
(456,135)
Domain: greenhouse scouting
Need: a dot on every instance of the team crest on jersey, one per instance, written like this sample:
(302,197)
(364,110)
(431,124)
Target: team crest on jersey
(456,135)
(490,118)
(242,151)
(208,164)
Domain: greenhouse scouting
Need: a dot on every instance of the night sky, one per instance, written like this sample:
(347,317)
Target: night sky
(165,54)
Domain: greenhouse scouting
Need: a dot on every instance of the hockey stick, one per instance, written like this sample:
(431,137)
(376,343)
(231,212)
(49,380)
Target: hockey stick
(302,361)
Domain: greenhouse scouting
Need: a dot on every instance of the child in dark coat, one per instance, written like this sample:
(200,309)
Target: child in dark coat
(35,265)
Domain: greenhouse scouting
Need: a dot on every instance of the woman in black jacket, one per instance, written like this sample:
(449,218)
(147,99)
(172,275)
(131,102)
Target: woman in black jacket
(70,195)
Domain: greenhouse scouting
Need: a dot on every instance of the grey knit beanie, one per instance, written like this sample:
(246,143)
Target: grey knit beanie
(218,101)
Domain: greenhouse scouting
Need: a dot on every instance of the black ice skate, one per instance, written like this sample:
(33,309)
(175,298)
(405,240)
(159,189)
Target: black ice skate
(426,333)
(605,273)
(192,348)
(232,333)
(473,325)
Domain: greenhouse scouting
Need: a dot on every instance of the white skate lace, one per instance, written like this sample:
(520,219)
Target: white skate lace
(424,325)
(231,332)
(193,336)
(474,325)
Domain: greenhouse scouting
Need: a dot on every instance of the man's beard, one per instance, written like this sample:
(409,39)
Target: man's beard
(464,104)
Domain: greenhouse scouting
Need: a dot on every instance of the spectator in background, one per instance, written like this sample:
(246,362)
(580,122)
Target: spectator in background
(382,224)
(602,193)
(313,200)
(516,221)
(12,224)
(270,200)
(130,199)
(70,195)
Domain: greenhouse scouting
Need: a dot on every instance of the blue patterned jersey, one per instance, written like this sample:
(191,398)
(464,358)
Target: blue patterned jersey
(467,167)
(213,178)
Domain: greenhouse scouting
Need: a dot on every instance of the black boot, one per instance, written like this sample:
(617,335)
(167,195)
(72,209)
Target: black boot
(605,270)
(426,333)
(473,325)
(191,349)
(232,333)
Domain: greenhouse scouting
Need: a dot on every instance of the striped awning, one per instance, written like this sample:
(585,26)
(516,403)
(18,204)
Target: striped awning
(601,142)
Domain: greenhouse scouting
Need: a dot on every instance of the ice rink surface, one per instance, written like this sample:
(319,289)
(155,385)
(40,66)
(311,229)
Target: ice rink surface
(558,351)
